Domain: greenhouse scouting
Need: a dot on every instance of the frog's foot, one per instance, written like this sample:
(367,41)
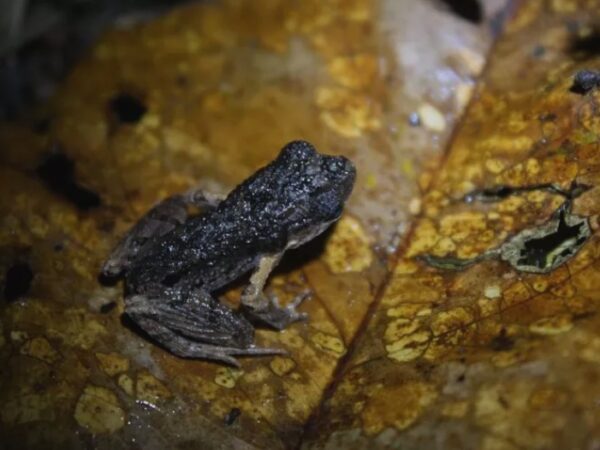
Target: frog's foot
(199,327)
(271,313)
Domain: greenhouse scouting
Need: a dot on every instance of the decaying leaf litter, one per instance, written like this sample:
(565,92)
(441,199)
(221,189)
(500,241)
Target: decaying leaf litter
(485,357)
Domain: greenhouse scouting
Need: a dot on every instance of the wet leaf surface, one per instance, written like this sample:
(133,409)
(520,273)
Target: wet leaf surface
(397,352)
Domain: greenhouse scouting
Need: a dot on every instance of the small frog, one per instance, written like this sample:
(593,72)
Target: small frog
(173,260)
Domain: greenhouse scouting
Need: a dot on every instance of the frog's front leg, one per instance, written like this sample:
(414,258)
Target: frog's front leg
(157,222)
(258,306)
(197,327)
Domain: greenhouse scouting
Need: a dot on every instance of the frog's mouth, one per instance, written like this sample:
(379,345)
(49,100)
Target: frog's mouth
(348,182)
(308,234)
(344,174)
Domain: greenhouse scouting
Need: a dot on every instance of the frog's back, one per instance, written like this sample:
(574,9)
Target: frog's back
(210,250)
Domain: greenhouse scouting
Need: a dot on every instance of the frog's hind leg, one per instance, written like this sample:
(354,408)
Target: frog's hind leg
(199,327)
(258,306)
(161,219)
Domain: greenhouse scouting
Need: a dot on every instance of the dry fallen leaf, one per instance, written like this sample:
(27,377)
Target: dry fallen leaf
(396,352)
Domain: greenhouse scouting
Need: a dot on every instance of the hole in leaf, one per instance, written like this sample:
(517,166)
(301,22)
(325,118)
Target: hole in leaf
(17,281)
(467,9)
(502,342)
(58,171)
(127,108)
(586,47)
(536,251)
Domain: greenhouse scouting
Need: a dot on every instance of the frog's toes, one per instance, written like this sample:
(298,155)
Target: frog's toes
(299,299)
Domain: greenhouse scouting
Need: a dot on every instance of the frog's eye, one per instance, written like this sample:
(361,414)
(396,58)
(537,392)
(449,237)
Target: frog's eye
(328,205)
(336,165)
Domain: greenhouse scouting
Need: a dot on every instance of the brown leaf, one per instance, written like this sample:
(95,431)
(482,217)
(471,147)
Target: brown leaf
(396,351)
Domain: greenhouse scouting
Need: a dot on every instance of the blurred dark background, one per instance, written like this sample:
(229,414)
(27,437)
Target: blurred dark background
(41,39)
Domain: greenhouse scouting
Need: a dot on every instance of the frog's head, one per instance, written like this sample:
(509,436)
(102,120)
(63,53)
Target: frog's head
(315,188)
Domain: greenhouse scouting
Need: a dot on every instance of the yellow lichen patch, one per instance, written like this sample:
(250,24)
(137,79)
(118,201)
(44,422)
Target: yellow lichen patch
(40,348)
(258,374)
(98,410)
(451,320)
(227,377)
(494,166)
(396,406)
(408,289)
(461,225)
(282,366)
(443,247)
(328,343)
(78,329)
(291,339)
(409,310)
(492,291)
(424,238)
(126,383)
(511,204)
(112,363)
(409,347)
(355,72)
(400,327)
(405,267)
(515,294)
(552,325)
(347,113)
(348,249)
(149,389)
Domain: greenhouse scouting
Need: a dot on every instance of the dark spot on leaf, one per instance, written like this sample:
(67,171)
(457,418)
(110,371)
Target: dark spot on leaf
(460,378)
(467,9)
(232,416)
(17,281)
(108,307)
(547,117)
(425,368)
(586,47)
(584,81)
(538,51)
(58,172)
(182,80)
(502,342)
(127,108)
